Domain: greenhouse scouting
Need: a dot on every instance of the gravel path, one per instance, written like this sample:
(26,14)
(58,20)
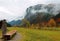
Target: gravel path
(17,37)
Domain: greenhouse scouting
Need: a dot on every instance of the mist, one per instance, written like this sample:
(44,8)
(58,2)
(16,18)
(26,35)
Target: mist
(16,9)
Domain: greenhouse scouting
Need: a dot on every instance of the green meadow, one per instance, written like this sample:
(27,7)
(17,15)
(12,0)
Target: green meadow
(37,34)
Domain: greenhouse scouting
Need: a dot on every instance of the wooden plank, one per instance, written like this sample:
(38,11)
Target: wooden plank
(11,32)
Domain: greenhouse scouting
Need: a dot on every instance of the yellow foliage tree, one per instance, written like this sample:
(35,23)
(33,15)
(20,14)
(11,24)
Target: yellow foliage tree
(52,23)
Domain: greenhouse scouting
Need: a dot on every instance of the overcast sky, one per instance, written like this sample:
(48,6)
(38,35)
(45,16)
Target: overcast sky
(15,9)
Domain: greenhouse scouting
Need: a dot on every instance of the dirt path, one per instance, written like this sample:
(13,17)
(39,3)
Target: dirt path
(17,37)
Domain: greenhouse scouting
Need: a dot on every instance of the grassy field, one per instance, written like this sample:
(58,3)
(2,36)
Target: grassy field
(37,35)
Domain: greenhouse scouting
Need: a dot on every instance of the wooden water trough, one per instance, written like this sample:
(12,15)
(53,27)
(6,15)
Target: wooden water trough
(10,34)
(6,35)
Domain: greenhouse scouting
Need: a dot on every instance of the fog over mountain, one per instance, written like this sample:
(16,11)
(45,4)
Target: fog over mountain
(53,9)
(15,9)
(42,12)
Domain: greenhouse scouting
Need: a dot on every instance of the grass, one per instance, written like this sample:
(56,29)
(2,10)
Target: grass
(37,35)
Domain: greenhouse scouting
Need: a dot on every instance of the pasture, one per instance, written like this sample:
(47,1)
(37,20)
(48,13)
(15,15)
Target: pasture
(37,34)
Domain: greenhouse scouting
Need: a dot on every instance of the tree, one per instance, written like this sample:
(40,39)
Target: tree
(52,23)
(25,23)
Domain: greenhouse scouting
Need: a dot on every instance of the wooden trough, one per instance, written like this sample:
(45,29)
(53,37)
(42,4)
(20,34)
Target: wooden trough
(10,34)
(6,35)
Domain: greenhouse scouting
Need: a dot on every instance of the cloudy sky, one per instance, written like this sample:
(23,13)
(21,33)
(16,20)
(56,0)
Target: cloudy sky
(15,9)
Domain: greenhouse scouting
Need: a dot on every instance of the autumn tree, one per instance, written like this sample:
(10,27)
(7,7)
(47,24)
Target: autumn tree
(52,22)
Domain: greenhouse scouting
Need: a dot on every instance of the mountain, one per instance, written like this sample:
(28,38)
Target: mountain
(8,25)
(39,13)
(15,22)
(39,8)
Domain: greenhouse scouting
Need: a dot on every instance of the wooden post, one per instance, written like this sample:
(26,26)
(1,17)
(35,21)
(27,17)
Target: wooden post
(4,28)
